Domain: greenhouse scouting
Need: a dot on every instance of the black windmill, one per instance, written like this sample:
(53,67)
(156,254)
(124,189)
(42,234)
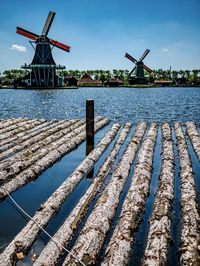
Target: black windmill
(137,73)
(43,67)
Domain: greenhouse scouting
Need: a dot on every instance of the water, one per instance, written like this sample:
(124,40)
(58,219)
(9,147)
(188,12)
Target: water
(119,105)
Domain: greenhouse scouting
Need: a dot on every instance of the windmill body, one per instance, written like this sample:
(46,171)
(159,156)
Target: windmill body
(43,67)
(136,75)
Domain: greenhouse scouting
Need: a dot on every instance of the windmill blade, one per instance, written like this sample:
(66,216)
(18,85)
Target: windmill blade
(147,68)
(60,45)
(48,23)
(144,55)
(27,33)
(132,59)
(132,71)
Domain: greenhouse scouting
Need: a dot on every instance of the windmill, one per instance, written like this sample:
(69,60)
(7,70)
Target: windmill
(138,70)
(43,67)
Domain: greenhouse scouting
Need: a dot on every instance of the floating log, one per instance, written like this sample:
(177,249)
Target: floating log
(43,143)
(10,122)
(41,139)
(160,222)
(23,136)
(93,233)
(194,137)
(190,237)
(21,128)
(14,126)
(47,210)
(47,157)
(118,249)
(51,253)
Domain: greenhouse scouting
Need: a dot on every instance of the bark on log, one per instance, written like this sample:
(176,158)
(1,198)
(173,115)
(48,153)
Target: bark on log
(190,237)
(58,149)
(51,253)
(10,122)
(93,233)
(36,148)
(41,139)
(23,136)
(12,127)
(21,128)
(47,210)
(118,249)
(194,137)
(160,222)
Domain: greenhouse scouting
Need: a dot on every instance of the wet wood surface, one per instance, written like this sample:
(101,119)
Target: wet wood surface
(29,146)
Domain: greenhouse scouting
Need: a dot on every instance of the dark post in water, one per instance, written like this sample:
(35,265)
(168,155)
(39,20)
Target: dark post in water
(89,125)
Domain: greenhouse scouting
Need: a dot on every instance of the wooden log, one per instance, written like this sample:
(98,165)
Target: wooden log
(21,128)
(40,139)
(59,149)
(47,210)
(190,237)
(23,136)
(10,122)
(21,122)
(97,225)
(118,249)
(51,254)
(159,234)
(43,143)
(194,137)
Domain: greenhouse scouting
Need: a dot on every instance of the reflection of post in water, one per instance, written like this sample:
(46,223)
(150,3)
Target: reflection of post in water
(89,130)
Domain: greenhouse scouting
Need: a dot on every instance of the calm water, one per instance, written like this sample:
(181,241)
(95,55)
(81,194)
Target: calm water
(118,104)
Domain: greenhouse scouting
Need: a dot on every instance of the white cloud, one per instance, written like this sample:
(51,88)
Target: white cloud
(19,48)
(165,50)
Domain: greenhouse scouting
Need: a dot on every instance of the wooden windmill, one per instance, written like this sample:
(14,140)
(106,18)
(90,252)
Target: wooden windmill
(136,75)
(43,67)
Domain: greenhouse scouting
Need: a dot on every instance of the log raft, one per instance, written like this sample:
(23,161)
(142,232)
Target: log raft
(117,252)
(46,157)
(52,252)
(190,235)
(47,210)
(28,147)
(160,223)
(93,233)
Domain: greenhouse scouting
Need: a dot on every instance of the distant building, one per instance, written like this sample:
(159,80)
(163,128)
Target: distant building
(70,81)
(114,82)
(163,83)
(86,80)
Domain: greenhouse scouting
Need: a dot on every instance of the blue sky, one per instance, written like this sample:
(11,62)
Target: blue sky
(100,32)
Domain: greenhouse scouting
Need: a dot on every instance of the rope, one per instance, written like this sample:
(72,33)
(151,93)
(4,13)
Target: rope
(55,242)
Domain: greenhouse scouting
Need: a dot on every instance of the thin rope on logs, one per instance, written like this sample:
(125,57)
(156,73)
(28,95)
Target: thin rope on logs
(159,235)
(47,210)
(190,237)
(51,253)
(47,157)
(98,223)
(118,249)
(194,137)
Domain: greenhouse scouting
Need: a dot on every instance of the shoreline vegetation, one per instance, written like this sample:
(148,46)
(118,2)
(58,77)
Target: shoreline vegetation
(120,78)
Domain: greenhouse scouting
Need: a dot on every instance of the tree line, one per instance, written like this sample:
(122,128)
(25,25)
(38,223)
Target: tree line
(187,77)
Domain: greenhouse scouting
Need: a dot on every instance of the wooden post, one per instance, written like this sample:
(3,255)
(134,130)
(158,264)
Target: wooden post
(89,125)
